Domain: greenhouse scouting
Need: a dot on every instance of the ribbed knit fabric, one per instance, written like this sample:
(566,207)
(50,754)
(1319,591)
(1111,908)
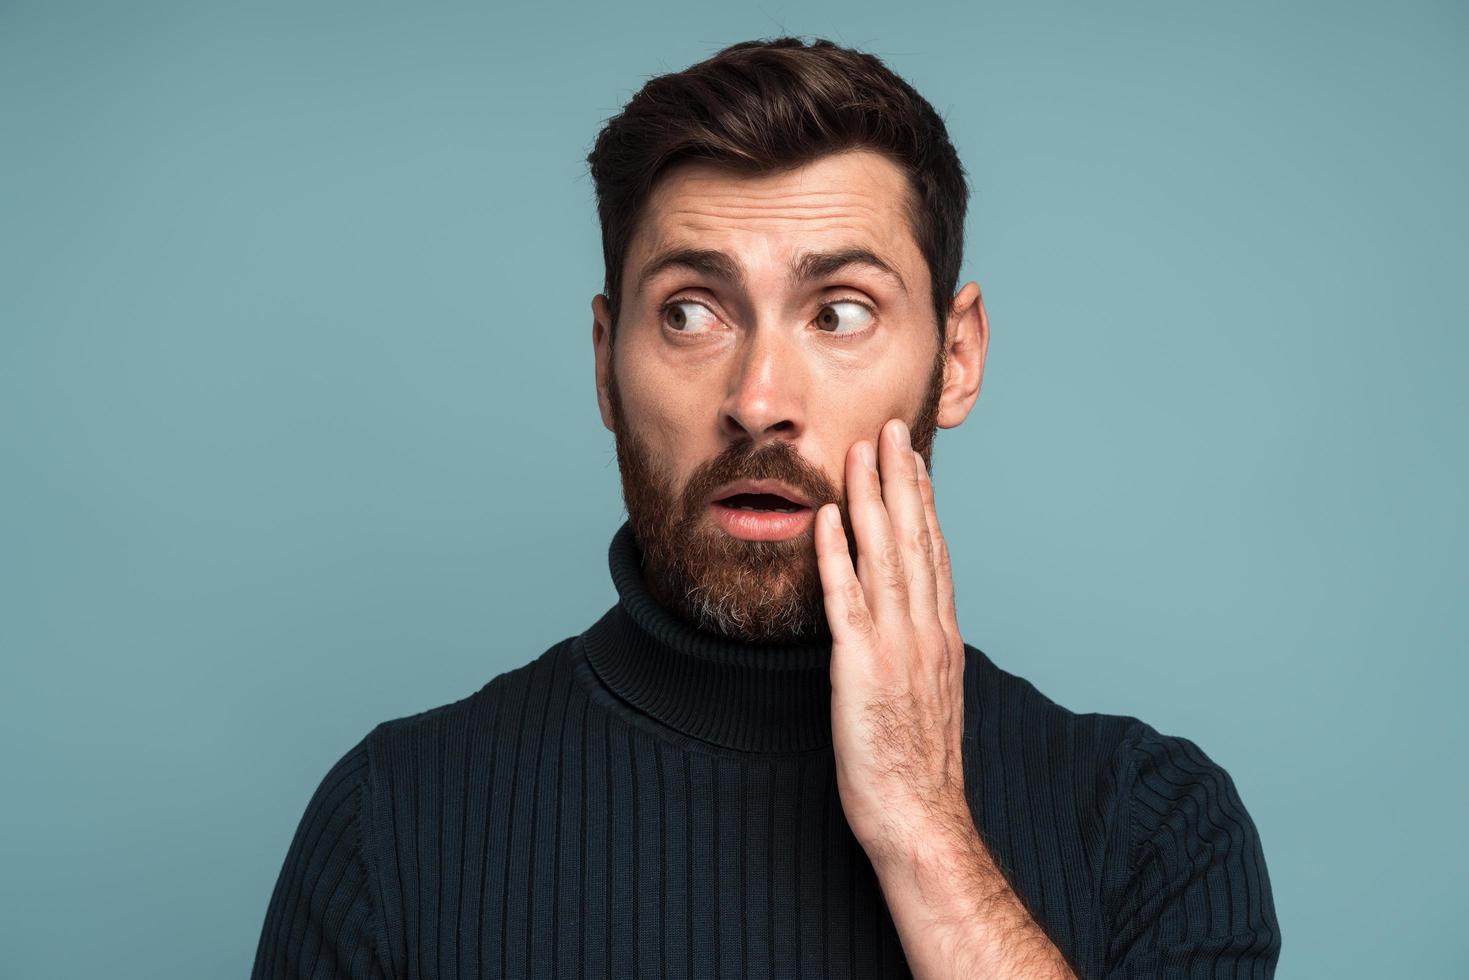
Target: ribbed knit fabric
(647,800)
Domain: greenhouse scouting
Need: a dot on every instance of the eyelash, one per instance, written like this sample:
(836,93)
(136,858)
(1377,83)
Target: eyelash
(679,300)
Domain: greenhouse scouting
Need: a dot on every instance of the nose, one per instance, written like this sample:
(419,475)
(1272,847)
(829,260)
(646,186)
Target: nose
(767,391)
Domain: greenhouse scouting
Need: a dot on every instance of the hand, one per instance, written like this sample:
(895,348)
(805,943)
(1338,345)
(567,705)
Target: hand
(897,662)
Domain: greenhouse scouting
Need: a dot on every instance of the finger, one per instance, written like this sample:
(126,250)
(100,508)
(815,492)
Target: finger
(942,569)
(841,591)
(879,559)
(904,502)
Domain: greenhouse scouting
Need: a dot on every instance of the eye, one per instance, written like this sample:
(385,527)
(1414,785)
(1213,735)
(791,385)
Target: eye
(843,316)
(687,316)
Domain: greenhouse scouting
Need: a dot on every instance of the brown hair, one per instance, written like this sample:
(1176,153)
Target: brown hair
(764,106)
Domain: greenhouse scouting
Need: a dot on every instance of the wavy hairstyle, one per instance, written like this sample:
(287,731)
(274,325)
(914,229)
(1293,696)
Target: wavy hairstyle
(764,106)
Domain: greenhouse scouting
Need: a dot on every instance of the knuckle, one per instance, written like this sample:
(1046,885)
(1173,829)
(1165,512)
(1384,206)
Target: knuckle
(941,554)
(899,585)
(891,556)
(892,567)
(921,541)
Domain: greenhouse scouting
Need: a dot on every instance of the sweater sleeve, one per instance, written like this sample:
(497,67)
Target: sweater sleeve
(321,922)
(1196,901)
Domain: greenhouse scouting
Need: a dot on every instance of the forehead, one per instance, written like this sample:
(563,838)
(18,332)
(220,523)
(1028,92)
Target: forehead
(855,198)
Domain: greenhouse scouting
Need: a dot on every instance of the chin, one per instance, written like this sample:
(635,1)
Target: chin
(759,601)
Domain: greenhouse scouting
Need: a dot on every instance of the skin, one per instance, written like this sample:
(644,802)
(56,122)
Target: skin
(759,367)
(897,676)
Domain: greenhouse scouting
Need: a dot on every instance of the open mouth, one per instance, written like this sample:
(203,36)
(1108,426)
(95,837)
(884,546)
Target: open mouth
(768,502)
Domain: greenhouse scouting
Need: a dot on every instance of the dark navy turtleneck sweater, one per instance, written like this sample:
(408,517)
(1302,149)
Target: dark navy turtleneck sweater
(649,800)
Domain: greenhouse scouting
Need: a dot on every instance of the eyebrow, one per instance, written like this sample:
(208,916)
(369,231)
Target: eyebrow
(723,266)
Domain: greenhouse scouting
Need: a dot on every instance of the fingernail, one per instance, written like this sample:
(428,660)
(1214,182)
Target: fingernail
(833,516)
(900,435)
(922,467)
(869,459)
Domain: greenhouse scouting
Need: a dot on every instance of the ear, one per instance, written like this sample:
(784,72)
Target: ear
(602,349)
(966,342)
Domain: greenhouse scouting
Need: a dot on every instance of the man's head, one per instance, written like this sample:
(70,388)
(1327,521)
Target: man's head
(783,228)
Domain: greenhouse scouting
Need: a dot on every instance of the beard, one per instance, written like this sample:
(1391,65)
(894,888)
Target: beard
(755,591)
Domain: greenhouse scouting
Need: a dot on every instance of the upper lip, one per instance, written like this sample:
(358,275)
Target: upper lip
(761,486)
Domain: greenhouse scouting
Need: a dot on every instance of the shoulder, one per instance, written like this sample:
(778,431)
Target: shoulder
(398,745)
(325,893)
(1160,773)
(1143,762)
(1192,885)
(335,808)
(1172,835)
(1006,706)
(1182,799)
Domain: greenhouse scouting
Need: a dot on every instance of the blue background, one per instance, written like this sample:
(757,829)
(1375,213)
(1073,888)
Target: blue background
(298,432)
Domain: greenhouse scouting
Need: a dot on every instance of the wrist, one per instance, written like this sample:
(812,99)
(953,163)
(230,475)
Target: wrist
(937,858)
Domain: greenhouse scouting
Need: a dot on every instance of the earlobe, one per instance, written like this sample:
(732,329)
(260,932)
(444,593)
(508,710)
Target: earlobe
(967,343)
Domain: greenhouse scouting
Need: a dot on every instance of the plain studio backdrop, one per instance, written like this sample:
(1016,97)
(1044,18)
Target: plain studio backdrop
(298,434)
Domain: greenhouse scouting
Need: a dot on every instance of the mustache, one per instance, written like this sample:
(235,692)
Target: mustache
(772,461)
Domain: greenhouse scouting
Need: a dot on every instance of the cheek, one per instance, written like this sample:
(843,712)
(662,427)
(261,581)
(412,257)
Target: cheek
(680,388)
(669,416)
(853,411)
(664,414)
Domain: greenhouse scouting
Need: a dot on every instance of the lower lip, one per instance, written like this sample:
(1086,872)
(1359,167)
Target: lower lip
(762,525)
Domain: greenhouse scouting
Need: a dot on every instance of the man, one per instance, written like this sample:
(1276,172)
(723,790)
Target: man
(775,756)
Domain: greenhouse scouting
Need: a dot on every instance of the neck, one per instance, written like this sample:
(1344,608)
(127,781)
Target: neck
(754,697)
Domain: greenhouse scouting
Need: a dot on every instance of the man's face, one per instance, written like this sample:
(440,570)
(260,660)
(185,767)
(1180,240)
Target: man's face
(767,324)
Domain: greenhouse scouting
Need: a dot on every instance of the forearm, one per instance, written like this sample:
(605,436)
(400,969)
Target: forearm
(958,917)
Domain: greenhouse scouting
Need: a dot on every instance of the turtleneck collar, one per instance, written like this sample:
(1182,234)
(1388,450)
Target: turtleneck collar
(752,697)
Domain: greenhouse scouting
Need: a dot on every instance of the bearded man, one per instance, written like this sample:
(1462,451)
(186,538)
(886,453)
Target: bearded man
(775,755)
